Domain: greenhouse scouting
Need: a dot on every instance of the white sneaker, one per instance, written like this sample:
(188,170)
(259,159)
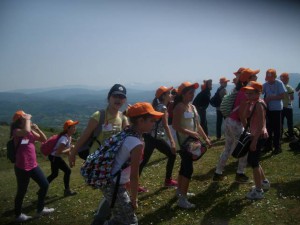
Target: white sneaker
(46,211)
(189,194)
(254,194)
(23,218)
(266,185)
(184,203)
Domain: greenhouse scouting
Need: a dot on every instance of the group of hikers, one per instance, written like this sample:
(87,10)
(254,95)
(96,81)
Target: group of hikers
(175,117)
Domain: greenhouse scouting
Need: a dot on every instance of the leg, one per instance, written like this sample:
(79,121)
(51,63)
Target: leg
(23,179)
(148,150)
(290,122)
(54,168)
(219,123)
(277,130)
(164,148)
(38,176)
(185,172)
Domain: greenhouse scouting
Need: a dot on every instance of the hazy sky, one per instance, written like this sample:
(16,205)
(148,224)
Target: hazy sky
(99,43)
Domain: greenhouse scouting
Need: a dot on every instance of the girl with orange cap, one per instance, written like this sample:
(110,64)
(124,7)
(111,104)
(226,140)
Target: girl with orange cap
(25,133)
(63,146)
(186,123)
(157,138)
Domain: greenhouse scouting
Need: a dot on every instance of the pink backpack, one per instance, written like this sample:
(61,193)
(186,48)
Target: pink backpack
(48,146)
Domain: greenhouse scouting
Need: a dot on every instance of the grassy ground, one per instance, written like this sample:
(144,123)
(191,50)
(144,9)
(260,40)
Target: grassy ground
(216,203)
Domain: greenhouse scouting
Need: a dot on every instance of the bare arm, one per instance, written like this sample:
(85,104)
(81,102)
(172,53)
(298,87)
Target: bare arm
(39,135)
(92,124)
(135,157)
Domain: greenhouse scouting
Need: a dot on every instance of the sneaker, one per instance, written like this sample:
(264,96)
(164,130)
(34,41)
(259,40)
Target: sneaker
(68,192)
(45,211)
(241,178)
(142,189)
(254,194)
(188,194)
(170,183)
(218,177)
(22,218)
(266,185)
(184,203)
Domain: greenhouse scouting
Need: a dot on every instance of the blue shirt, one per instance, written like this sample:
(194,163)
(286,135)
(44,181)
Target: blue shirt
(273,90)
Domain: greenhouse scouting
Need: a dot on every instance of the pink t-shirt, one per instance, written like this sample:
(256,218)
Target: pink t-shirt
(240,97)
(26,155)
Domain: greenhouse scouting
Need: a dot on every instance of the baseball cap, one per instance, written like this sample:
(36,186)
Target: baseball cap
(271,73)
(239,71)
(117,89)
(223,80)
(253,85)
(247,73)
(69,123)
(186,85)
(161,90)
(142,108)
(18,115)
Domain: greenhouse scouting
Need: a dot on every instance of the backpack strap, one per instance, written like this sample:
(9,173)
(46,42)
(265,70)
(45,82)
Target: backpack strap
(98,129)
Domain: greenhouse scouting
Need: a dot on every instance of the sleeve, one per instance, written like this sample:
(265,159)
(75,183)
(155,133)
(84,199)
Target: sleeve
(281,88)
(96,116)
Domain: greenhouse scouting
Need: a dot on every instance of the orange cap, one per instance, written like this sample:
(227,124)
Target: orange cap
(239,71)
(69,123)
(161,90)
(252,85)
(18,115)
(271,73)
(223,80)
(247,73)
(142,108)
(186,85)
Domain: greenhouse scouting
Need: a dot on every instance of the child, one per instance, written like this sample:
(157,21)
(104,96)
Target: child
(25,133)
(259,135)
(142,118)
(157,138)
(114,121)
(63,146)
(186,123)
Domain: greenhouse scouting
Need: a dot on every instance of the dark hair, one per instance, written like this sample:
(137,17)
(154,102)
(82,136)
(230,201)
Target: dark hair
(63,132)
(178,98)
(133,120)
(240,84)
(15,125)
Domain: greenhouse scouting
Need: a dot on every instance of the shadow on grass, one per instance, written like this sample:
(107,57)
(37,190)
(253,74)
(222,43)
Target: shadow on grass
(288,189)
(204,201)
(32,207)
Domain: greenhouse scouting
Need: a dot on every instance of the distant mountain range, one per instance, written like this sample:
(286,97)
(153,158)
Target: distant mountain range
(51,107)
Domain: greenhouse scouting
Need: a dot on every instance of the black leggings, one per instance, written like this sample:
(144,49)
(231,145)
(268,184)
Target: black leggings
(161,145)
(56,164)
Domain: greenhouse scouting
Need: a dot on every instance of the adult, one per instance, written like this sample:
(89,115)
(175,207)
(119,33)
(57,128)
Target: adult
(63,146)
(273,90)
(221,93)
(233,128)
(287,111)
(201,102)
(186,123)
(25,133)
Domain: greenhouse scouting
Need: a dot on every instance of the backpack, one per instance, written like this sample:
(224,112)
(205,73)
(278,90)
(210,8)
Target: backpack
(11,150)
(48,146)
(84,150)
(226,106)
(216,100)
(97,168)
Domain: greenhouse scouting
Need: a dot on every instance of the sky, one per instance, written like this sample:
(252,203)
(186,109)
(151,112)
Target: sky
(137,42)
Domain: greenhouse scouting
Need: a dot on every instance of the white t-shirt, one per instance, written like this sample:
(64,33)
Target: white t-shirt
(123,155)
(64,139)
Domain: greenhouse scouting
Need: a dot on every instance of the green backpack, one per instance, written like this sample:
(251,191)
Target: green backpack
(227,103)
